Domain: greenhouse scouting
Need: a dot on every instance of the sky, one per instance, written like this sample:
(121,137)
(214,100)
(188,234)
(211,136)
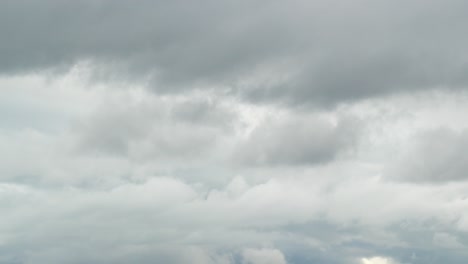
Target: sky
(233,132)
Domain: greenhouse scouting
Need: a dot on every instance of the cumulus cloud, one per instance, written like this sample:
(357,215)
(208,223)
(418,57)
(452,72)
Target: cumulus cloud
(233,132)
(143,202)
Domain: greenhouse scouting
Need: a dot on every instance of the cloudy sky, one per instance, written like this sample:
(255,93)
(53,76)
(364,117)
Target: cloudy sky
(233,132)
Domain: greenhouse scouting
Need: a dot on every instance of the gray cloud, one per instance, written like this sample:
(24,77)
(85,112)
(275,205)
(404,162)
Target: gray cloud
(182,41)
(331,52)
(156,127)
(165,219)
(297,141)
(435,156)
(233,132)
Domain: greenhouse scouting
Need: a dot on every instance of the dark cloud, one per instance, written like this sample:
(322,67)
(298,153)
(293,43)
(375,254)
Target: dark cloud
(332,52)
(179,41)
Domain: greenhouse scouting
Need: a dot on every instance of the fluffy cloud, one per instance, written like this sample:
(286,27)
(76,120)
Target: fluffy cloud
(233,132)
(119,176)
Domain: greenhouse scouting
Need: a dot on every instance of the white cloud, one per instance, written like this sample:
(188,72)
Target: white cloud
(378,260)
(175,195)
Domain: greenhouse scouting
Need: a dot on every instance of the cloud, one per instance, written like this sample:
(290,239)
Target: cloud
(436,156)
(378,260)
(296,140)
(152,127)
(263,256)
(446,240)
(145,203)
(233,132)
(326,55)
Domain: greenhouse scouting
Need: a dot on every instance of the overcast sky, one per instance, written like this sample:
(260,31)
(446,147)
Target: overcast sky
(233,132)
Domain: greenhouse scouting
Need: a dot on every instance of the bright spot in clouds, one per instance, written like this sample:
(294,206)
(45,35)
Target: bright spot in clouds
(377,260)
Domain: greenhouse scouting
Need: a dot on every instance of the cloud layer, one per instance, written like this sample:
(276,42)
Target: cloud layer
(233,132)
(306,52)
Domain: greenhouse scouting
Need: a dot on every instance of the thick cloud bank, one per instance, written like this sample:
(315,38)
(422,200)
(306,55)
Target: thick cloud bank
(312,52)
(233,132)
